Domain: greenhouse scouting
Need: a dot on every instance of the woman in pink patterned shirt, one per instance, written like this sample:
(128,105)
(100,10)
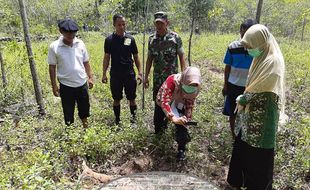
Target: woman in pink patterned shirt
(175,100)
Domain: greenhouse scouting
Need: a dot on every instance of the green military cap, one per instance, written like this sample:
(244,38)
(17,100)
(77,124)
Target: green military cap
(160,16)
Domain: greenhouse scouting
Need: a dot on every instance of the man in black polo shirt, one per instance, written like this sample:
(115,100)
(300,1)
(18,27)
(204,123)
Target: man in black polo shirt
(120,46)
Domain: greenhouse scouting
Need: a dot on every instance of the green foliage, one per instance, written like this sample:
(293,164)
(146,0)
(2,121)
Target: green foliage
(227,15)
(44,153)
(10,20)
(285,17)
(135,11)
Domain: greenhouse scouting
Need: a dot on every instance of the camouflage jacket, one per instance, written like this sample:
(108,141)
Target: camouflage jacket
(164,51)
(259,121)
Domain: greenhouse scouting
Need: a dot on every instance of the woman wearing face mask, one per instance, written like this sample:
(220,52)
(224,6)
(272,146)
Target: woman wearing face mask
(259,108)
(176,98)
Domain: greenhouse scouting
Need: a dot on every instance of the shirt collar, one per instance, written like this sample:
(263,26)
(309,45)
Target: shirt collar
(61,42)
(164,37)
(125,35)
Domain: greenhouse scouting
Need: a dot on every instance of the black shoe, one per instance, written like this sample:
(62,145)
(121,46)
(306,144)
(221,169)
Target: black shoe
(133,120)
(117,121)
(181,155)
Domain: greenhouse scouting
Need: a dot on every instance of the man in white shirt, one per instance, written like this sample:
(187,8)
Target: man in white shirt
(68,57)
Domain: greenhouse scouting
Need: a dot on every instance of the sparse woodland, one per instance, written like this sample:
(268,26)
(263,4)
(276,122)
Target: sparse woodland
(37,151)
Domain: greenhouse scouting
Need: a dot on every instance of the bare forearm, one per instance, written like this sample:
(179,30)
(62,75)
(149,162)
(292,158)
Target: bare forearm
(182,62)
(52,72)
(226,74)
(148,66)
(105,63)
(88,70)
(137,63)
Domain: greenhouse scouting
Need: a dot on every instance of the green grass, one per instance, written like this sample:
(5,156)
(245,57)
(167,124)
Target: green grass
(41,153)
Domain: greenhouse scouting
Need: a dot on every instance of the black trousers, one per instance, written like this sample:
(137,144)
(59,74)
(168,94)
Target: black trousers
(160,122)
(250,167)
(69,96)
(160,119)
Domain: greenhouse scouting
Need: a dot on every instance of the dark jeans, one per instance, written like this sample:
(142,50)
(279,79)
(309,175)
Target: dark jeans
(70,96)
(160,122)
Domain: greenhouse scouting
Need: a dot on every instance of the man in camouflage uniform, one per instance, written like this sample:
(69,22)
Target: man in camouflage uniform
(164,48)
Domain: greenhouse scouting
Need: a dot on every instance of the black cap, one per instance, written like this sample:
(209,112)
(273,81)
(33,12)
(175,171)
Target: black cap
(160,16)
(248,23)
(68,25)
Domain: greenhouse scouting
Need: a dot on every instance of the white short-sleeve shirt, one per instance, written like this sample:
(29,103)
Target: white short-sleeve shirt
(69,61)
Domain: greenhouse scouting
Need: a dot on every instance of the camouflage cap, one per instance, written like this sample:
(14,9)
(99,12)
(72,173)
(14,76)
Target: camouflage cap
(160,16)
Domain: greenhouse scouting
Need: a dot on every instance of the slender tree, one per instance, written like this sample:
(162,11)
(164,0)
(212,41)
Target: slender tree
(36,83)
(194,17)
(198,9)
(303,28)
(146,11)
(4,81)
(259,10)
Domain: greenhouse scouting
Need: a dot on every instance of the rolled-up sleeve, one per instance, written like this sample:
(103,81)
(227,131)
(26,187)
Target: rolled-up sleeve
(180,49)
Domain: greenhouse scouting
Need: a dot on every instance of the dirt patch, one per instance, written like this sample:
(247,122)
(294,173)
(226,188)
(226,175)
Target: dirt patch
(218,72)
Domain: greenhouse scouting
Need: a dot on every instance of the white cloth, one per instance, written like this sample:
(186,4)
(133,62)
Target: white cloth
(69,61)
(174,109)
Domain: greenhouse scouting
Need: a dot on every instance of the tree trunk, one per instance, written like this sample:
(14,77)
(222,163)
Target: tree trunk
(146,11)
(190,41)
(259,10)
(97,12)
(4,81)
(303,29)
(194,16)
(36,83)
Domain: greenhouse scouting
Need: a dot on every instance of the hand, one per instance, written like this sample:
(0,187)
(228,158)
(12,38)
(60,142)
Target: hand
(238,98)
(239,107)
(146,83)
(140,78)
(90,83)
(179,120)
(104,79)
(56,91)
